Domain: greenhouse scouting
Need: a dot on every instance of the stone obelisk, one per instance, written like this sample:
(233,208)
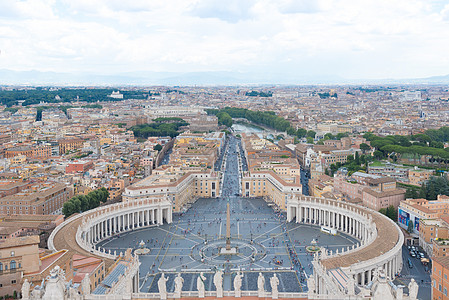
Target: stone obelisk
(228,229)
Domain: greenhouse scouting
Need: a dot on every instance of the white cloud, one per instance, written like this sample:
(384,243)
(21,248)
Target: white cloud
(371,38)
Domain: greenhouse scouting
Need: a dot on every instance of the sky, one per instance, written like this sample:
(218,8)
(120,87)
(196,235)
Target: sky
(365,39)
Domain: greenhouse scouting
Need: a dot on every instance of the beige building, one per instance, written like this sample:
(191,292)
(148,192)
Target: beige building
(38,199)
(270,185)
(17,256)
(181,188)
(419,176)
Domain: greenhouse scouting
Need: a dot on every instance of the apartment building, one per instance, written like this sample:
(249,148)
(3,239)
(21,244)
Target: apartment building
(38,199)
(18,255)
(439,278)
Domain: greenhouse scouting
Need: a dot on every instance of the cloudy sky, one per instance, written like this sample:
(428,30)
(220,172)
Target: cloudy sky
(348,38)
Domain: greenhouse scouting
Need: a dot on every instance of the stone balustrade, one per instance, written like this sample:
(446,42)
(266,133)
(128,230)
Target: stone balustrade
(103,222)
(380,239)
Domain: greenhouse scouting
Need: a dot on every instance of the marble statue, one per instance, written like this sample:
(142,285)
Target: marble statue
(218,282)
(162,285)
(26,289)
(128,254)
(238,284)
(350,285)
(311,285)
(200,285)
(400,293)
(85,285)
(36,293)
(413,290)
(55,286)
(179,281)
(261,285)
(274,282)
(73,293)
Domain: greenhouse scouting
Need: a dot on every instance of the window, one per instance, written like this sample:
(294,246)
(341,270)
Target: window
(12,265)
(1,267)
(13,281)
(445,291)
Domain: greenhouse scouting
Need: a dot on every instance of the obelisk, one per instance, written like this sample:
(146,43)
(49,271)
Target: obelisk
(228,229)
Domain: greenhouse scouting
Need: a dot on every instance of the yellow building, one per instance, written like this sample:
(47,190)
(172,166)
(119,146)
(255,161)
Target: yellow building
(17,256)
(270,185)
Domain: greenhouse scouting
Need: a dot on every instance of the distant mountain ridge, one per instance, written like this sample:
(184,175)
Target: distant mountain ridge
(10,77)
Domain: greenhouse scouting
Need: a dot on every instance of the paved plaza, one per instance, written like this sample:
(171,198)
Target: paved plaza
(264,241)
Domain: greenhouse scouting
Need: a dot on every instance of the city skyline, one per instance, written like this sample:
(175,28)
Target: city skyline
(269,41)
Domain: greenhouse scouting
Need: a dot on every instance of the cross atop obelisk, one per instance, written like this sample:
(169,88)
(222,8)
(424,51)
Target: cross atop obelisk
(228,228)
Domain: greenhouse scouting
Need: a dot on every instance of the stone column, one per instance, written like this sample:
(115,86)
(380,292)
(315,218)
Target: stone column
(160,218)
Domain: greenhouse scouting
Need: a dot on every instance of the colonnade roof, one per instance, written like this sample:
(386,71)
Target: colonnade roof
(65,238)
(387,238)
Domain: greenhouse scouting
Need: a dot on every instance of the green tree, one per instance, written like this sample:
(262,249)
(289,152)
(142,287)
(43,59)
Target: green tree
(310,140)
(157,147)
(311,134)
(301,132)
(341,135)
(378,154)
(77,204)
(68,209)
(105,194)
(392,213)
(411,193)
(364,147)
(410,226)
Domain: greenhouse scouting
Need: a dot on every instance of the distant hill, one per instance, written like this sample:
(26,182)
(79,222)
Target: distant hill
(9,77)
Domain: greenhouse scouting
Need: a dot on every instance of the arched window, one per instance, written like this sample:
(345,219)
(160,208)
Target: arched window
(12,265)
(1,267)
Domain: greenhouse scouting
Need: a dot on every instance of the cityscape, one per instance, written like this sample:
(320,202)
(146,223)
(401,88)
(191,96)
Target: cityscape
(205,149)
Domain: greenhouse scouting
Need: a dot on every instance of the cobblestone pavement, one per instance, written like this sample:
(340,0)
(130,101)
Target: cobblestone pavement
(279,246)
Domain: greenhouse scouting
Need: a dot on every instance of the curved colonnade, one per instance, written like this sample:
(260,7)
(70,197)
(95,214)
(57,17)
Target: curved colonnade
(379,247)
(380,244)
(103,222)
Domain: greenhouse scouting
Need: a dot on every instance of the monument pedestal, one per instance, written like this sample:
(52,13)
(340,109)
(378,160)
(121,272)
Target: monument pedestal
(231,251)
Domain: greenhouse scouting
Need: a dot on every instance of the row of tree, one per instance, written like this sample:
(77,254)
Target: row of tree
(159,128)
(436,185)
(259,94)
(265,118)
(390,212)
(10,97)
(430,144)
(353,164)
(81,203)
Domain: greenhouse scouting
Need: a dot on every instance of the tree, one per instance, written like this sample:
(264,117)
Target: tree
(411,193)
(378,154)
(301,132)
(105,194)
(311,134)
(77,204)
(157,147)
(410,226)
(365,147)
(68,209)
(342,135)
(310,140)
(392,213)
